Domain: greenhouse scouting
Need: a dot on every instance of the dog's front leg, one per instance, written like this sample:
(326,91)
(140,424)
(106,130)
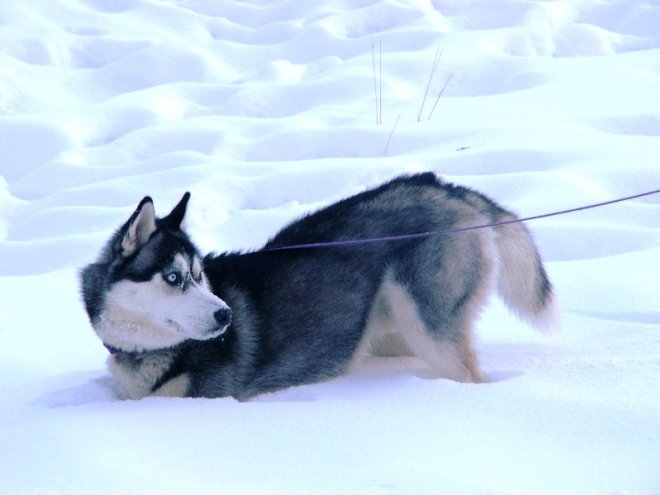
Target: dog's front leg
(137,374)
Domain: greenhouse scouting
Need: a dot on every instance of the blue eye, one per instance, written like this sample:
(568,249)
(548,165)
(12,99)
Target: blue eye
(173,279)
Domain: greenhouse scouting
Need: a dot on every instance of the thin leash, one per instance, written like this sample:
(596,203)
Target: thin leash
(422,235)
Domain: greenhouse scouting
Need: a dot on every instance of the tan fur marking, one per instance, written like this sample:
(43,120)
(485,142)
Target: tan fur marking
(135,382)
(443,357)
(396,329)
(519,279)
(176,387)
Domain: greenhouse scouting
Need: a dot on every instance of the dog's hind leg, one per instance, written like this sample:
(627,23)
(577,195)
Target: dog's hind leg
(437,294)
(382,337)
(445,357)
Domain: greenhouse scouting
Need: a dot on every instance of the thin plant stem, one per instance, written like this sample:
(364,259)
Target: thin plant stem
(439,95)
(373,64)
(436,61)
(392,134)
(380,82)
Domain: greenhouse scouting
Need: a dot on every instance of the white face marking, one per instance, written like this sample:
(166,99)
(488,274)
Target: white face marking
(174,306)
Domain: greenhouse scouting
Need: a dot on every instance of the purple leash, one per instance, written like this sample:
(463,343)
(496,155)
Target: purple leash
(422,235)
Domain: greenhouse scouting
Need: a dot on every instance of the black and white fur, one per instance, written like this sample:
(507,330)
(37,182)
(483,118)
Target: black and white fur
(242,324)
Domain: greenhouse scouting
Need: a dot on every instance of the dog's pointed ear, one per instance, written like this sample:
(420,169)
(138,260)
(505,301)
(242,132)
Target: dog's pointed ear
(139,227)
(175,218)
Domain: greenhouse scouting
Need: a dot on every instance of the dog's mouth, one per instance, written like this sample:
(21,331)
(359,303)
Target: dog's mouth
(222,318)
(206,334)
(112,349)
(213,333)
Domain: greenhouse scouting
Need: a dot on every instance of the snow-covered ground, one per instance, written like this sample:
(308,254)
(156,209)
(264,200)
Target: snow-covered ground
(267,109)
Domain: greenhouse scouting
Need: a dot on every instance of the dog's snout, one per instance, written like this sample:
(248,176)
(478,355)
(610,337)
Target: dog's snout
(223,316)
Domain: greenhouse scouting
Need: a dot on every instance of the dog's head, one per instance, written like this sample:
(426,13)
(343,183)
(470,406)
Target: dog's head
(147,290)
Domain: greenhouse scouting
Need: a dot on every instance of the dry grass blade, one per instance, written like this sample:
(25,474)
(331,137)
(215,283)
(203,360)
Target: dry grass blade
(436,61)
(378,80)
(439,95)
(391,134)
(373,64)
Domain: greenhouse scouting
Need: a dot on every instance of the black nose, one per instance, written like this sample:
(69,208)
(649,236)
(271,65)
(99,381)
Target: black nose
(223,316)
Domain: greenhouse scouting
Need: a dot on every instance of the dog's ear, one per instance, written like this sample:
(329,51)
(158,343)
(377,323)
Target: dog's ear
(139,227)
(175,218)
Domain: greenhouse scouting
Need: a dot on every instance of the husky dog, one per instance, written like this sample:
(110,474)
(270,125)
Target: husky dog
(243,324)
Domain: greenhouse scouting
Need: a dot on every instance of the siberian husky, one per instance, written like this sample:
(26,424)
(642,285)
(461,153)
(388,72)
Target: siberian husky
(243,324)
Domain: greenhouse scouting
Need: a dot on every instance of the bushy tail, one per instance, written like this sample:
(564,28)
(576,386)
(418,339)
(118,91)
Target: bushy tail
(523,283)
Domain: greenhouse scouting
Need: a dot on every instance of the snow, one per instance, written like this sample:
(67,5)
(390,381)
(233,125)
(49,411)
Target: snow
(265,110)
